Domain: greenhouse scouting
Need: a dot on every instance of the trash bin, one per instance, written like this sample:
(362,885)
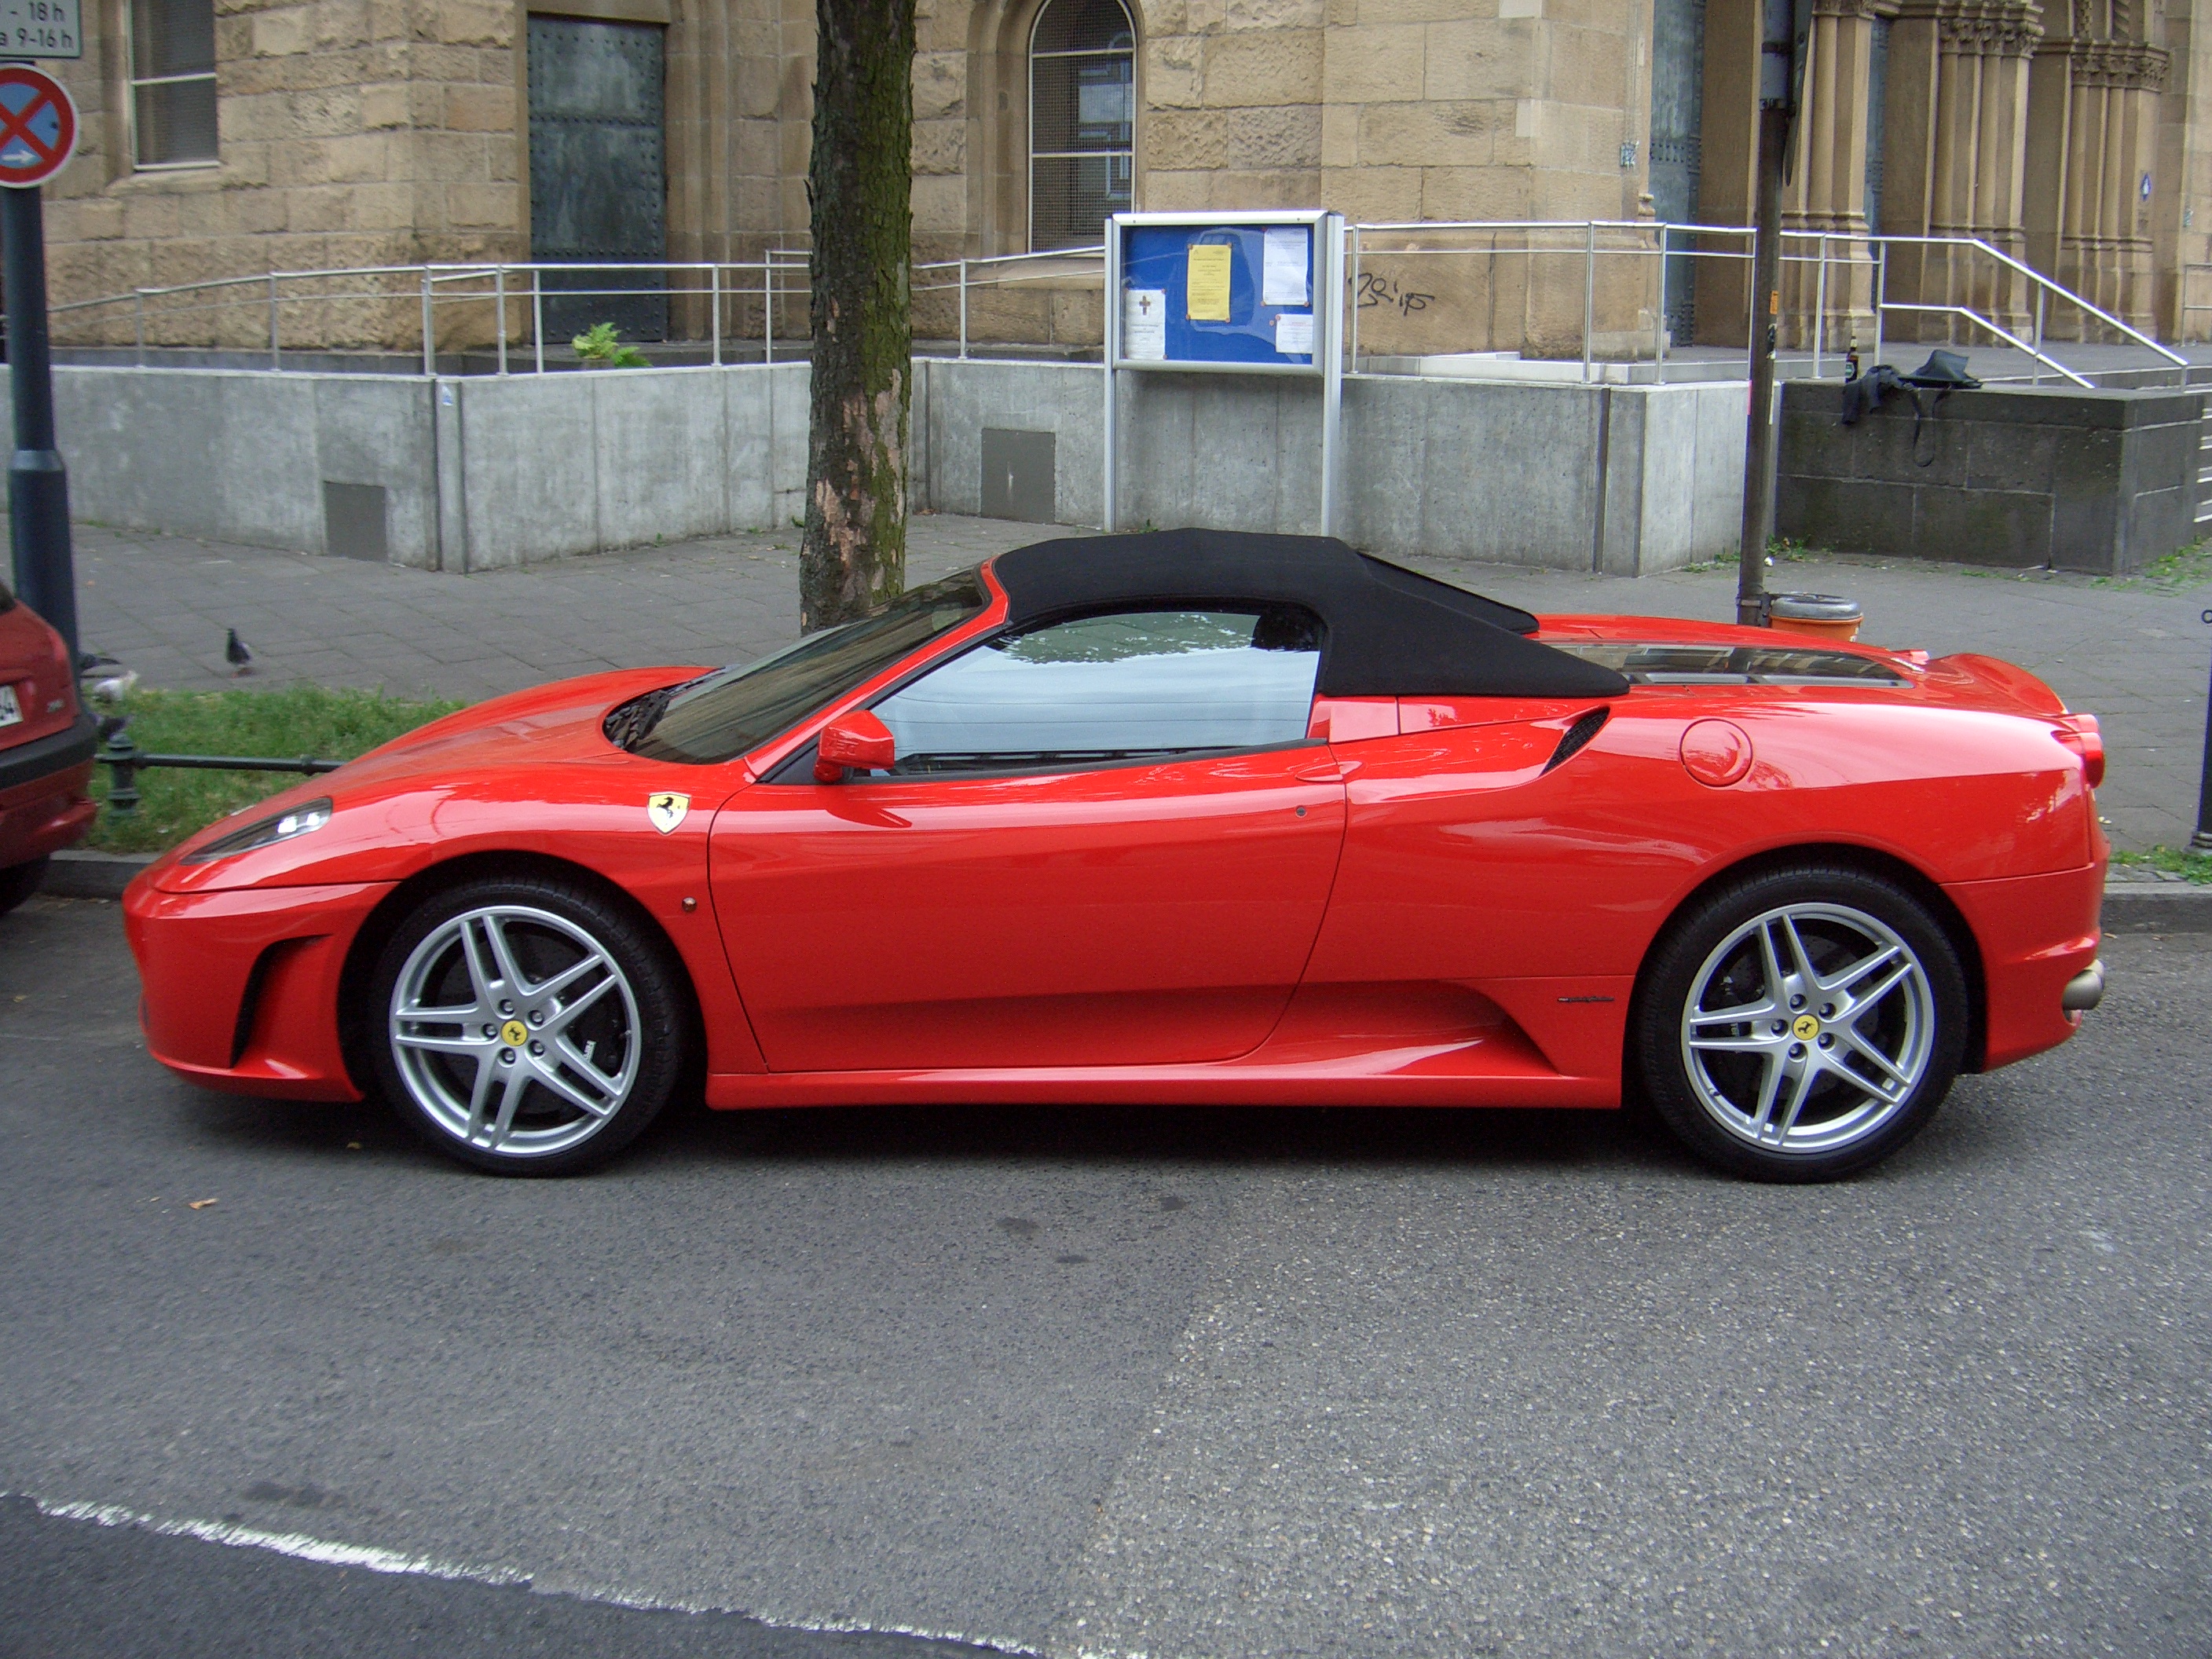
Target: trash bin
(1824,616)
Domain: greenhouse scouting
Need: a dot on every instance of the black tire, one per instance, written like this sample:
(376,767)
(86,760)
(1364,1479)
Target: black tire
(19,881)
(1710,1081)
(641,1014)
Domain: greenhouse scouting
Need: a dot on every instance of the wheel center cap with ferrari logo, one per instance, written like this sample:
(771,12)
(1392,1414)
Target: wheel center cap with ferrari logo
(514,1034)
(1805,1028)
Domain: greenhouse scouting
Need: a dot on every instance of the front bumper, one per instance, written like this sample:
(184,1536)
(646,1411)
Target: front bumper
(46,793)
(241,985)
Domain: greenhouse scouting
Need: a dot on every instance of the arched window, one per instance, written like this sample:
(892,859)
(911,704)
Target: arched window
(1083,107)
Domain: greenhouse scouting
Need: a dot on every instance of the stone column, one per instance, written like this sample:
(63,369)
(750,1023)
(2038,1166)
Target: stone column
(2093,114)
(1957,157)
(1826,192)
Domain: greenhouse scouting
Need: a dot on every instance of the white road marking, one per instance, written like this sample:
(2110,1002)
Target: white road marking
(368,1557)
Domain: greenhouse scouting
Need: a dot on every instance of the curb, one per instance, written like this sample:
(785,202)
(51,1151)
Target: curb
(82,875)
(2157,907)
(2130,906)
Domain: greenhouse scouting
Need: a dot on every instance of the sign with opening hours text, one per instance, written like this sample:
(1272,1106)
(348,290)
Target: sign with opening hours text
(40,28)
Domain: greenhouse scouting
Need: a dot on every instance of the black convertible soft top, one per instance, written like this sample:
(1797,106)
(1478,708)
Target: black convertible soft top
(1391,632)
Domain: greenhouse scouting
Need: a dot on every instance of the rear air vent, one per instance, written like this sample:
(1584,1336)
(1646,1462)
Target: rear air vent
(1588,726)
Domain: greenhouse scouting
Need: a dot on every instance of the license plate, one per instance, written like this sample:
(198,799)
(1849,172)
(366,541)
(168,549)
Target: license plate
(10,710)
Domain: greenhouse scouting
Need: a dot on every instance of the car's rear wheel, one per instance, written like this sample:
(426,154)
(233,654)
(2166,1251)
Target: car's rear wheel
(1801,1025)
(19,881)
(527,1026)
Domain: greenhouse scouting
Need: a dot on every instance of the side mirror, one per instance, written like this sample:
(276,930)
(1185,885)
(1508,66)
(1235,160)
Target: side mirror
(855,739)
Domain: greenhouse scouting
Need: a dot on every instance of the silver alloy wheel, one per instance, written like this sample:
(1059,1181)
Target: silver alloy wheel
(514,1031)
(1809,1028)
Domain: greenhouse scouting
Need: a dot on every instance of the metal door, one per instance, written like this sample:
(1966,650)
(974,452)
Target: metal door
(599,180)
(1678,73)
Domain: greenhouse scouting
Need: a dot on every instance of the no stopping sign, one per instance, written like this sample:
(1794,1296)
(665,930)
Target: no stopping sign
(38,126)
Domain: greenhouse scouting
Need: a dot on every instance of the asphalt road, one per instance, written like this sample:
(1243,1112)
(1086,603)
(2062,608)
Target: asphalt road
(1218,1383)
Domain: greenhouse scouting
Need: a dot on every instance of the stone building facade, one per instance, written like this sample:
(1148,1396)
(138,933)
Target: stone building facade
(223,137)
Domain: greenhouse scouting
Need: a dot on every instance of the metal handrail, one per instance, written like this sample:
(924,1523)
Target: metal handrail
(521,281)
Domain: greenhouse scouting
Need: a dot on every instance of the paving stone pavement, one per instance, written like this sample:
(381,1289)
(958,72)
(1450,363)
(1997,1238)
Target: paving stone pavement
(2132,652)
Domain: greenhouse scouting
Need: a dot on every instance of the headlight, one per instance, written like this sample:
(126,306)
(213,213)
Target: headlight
(264,832)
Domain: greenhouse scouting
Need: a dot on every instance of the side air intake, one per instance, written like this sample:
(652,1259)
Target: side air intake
(1572,740)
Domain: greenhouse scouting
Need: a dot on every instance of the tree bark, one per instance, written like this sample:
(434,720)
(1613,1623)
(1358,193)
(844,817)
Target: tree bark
(859,183)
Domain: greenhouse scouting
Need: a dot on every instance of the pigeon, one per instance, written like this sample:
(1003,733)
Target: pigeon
(235,654)
(115,687)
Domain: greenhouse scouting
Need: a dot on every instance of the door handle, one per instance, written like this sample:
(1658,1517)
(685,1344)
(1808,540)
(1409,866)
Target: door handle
(1331,770)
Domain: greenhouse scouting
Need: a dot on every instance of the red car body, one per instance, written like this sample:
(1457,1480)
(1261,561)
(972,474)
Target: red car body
(45,756)
(1415,907)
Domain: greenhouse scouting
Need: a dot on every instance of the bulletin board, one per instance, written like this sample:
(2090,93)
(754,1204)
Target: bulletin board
(1219,294)
(1258,293)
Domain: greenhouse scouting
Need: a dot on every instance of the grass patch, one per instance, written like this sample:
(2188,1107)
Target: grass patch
(278,725)
(2177,573)
(2174,861)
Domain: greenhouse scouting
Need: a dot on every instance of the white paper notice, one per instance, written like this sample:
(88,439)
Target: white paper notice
(1294,334)
(1282,262)
(1144,325)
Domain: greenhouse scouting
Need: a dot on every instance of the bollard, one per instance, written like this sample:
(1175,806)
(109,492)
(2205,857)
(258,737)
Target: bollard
(120,756)
(2202,841)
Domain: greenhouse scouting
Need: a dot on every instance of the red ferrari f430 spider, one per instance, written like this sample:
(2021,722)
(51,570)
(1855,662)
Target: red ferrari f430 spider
(1180,817)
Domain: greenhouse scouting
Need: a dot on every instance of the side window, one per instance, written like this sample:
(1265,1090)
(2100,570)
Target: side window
(1099,690)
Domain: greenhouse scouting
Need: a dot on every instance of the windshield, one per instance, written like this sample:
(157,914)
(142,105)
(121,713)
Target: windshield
(721,716)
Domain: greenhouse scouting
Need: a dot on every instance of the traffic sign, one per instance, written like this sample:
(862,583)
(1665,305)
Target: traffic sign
(38,126)
(40,28)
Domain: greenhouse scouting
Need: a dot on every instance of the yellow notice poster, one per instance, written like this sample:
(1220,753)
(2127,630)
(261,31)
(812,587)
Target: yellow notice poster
(1206,283)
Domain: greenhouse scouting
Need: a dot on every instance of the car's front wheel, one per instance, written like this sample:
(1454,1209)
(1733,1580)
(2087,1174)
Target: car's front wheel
(1801,1025)
(527,1026)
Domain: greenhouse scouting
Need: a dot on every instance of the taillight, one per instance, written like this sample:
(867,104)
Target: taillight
(2080,734)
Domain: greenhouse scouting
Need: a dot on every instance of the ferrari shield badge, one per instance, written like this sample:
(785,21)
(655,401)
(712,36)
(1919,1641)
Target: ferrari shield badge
(667,810)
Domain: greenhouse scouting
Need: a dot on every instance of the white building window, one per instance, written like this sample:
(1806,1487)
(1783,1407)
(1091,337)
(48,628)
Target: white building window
(172,83)
(1083,107)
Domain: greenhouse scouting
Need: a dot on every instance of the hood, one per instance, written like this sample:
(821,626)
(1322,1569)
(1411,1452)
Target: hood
(517,773)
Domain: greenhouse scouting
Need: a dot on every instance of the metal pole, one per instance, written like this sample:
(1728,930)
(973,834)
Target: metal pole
(1352,300)
(1820,307)
(499,298)
(275,358)
(1881,296)
(2202,841)
(1659,319)
(715,294)
(1113,342)
(1759,445)
(38,483)
(963,310)
(537,315)
(768,305)
(139,321)
(429,329)
(1589,291)
(2042,297)
(1330,233)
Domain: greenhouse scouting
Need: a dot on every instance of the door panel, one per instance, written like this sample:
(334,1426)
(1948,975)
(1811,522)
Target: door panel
(598,187)
(1134,914)
(1465,860)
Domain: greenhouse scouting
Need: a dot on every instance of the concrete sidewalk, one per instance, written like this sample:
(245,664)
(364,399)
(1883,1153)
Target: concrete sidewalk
(2133,653)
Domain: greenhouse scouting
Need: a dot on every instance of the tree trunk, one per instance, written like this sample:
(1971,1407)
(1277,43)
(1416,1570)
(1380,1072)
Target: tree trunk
(859,183)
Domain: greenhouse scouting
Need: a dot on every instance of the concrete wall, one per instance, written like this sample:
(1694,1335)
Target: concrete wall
(484,472)
(1513,473)
(2095,481)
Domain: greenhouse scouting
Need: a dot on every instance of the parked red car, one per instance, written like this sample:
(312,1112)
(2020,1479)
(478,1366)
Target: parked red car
(1181,818)
(46,751)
